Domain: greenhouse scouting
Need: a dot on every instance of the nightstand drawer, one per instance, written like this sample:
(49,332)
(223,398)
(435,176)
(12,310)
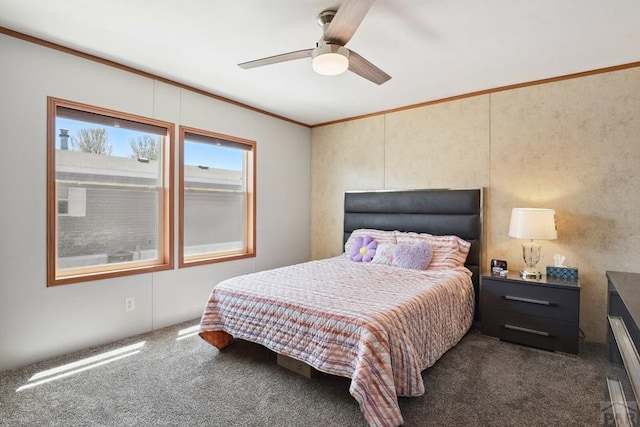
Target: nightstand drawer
(531,299)
(542,332)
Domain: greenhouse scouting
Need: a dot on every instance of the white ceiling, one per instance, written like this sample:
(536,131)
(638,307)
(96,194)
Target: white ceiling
(433,49)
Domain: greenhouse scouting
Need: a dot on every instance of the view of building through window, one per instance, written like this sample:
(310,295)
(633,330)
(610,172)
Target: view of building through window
(217,203)
(110,194)
(110,182)
(118,220)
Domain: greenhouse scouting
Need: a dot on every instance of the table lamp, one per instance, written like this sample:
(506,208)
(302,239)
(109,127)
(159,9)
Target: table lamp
(532,224)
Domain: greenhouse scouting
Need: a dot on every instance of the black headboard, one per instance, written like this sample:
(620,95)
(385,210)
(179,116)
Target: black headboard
(438,212)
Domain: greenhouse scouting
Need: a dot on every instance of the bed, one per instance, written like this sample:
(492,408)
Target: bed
(380,325)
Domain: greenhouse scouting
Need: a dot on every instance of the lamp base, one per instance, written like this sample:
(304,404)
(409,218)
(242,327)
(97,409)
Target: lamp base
(528,274)
(531,256)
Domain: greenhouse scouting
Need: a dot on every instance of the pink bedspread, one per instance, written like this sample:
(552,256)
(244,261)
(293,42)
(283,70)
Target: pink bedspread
(379,325)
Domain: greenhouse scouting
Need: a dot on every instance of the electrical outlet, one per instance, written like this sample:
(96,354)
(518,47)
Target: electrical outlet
(129,304)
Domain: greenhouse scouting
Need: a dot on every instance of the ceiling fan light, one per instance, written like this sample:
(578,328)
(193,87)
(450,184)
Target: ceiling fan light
(330,60)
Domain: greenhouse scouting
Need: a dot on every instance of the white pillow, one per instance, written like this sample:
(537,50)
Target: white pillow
(379,236)
(384,254)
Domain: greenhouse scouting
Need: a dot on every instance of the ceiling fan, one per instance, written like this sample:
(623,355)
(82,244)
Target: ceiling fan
(330,56)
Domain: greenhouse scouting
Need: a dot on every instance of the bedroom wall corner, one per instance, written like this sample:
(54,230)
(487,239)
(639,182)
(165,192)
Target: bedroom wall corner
(344,157)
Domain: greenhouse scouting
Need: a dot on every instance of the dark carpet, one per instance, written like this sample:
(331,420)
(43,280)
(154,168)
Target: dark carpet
(168,378)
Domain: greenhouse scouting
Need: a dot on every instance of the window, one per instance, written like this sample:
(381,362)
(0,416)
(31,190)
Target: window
(72,201)
(109,193)
(217,203)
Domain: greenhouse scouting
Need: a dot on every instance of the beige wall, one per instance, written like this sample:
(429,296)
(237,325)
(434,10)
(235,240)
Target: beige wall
(572,145)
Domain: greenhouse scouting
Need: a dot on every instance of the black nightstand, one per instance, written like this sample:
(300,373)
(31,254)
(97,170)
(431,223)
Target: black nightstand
(541,313)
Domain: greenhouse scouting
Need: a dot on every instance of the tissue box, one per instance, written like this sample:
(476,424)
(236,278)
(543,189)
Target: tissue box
(563,272)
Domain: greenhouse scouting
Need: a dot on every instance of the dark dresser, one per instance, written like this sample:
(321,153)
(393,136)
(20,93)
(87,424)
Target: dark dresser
(623,337)
(539,313)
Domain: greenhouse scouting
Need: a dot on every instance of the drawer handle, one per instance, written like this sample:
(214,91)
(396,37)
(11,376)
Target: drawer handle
(527,330)
(529,300)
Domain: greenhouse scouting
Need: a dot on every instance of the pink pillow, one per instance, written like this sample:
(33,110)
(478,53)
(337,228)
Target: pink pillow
(416,257)
(448,251)
(379,236)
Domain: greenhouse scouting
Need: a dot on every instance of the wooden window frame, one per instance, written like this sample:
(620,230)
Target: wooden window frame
(164,261)
(250,194)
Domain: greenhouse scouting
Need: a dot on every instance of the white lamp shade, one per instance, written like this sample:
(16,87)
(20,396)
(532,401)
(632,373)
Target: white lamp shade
(533,223)
(330,59)
(330,64)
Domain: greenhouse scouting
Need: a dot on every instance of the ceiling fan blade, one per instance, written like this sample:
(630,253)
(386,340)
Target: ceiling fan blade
(364,68)
(299,54)
(346,22)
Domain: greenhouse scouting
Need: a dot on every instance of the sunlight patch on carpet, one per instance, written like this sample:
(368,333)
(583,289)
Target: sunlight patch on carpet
(82,365)
(188,332)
